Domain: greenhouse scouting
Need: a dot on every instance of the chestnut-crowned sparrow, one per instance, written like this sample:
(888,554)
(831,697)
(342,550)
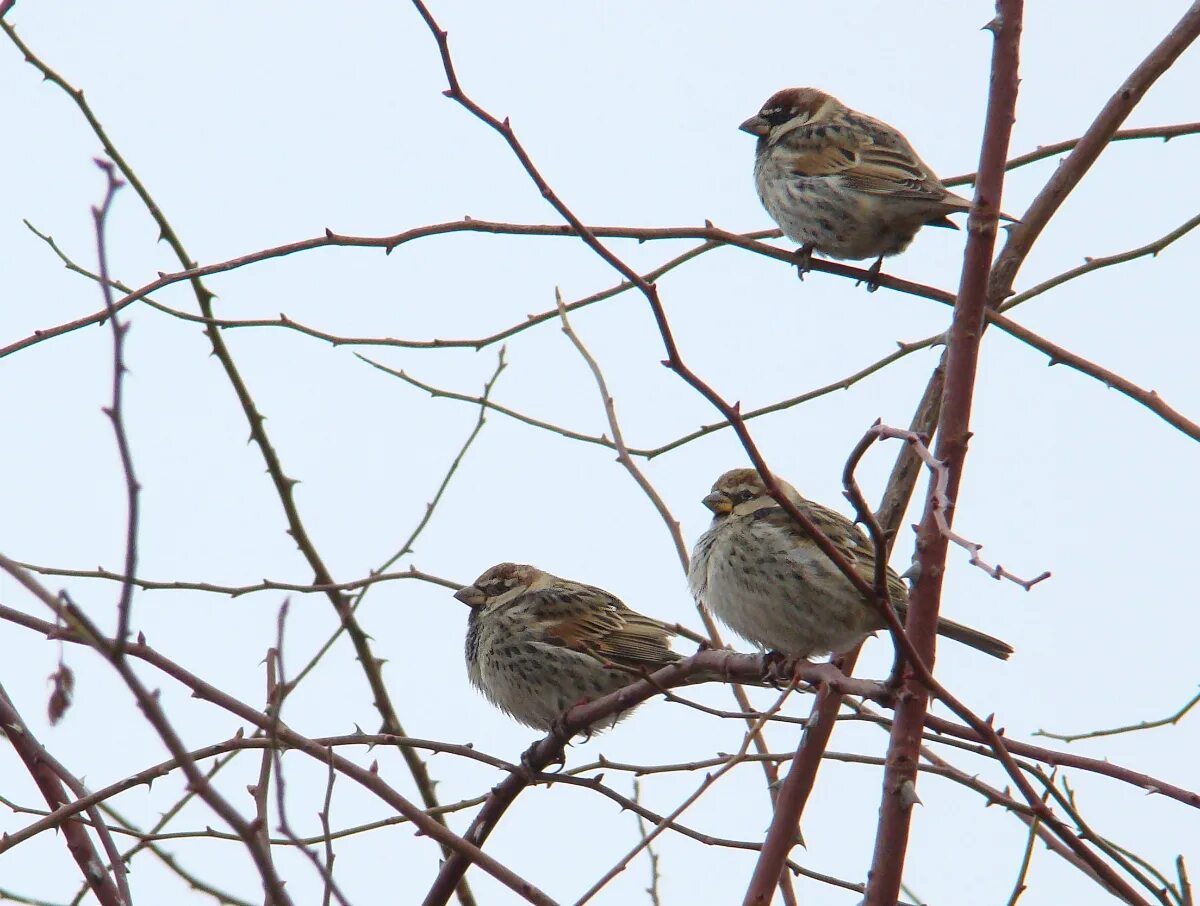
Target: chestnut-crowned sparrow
(840,182)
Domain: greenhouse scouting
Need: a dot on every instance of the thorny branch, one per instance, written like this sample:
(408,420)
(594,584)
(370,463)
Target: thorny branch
(831,685)
(939,496)
(962,350)
(672,524)
(109,890)
(116,412)
(283,483)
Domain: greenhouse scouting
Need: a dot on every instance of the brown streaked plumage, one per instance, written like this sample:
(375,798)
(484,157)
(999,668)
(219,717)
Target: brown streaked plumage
(765,578)
(537,644)
(840,182)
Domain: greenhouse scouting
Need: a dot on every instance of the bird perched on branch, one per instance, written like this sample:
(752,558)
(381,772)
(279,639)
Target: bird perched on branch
(843,183)
(538,644)
(761,574)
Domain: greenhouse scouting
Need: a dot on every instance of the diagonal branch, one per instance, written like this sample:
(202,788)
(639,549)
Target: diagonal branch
(1099,134)
(51,783)
(284,484)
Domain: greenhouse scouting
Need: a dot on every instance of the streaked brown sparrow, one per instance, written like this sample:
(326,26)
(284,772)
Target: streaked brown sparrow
(538,644)
(840,182)
(764,577)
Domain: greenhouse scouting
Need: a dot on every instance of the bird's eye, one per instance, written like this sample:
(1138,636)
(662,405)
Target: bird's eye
(778,115)
(743,495)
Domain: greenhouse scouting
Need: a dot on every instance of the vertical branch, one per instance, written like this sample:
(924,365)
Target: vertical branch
(784,831)
(900,774)
(115,412)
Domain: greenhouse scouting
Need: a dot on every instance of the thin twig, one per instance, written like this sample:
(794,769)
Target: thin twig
(1169,720)
(236,591)
(1087,149)
(705,785)
(116,412)
(80,630)
(275,753)
(284,485)
(651,855)
(51,777)
(1019,886)
(939,496)
(1166,133)
(664,512)
(420,527)
(1094,264)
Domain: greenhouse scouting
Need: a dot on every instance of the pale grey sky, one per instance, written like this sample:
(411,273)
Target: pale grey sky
(257,124)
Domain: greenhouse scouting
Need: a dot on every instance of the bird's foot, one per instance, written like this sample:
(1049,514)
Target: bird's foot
(873,275)
(804,260)
(773,669)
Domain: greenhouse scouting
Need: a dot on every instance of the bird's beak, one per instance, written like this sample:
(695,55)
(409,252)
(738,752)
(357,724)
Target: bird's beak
(756,125)
(470,595)
(719,503)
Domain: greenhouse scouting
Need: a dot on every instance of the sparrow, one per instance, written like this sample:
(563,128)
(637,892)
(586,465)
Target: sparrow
(762,575)
(843,183)
(538,644)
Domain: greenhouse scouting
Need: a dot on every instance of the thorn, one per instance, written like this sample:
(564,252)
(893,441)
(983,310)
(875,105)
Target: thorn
(908,794)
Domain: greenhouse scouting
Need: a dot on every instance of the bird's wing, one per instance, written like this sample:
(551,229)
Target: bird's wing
(881,164)
(592,621)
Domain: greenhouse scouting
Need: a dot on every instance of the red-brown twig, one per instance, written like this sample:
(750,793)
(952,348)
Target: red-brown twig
(283,484)
(713,237)
(735,667)
(1088,148)
(753,732)
(939,496)
(50,783)
(802,773)
(673,529)
(69,615)
(82,631)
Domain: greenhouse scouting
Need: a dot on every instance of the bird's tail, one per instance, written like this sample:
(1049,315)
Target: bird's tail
(965,635)
(980,641)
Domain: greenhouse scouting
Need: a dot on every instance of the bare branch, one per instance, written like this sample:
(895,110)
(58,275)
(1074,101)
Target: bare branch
(1166,133)
(1169,720)
(51,777)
